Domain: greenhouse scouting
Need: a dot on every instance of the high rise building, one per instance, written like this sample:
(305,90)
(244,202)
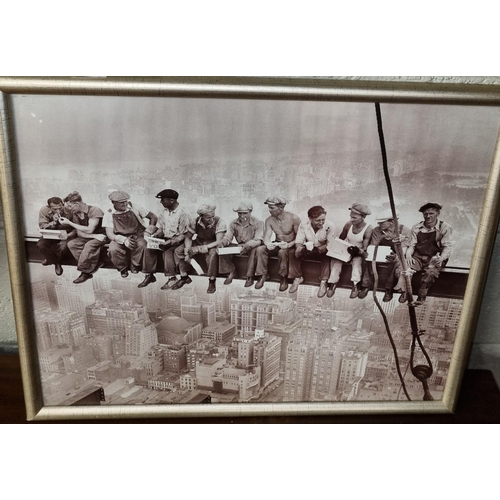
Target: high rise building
(205,371)
(140,336)
(352,365)
(150,299)
(220,333)
(304,294)
(174,359)
(197,312)
(250,312)
(45,274)
(40,295)
(43,340)
(75,299)
(444,313)
(102,347)
(324,372)
(129,289)
(111,318)
(285,333)
(388,307)
(198,352)
(245,351)
(51,359)
(318,325)
(79,360)
(266,354)
(220,301)
(58,328)
(298,371)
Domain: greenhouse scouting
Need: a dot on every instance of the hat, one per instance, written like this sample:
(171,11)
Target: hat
(204,209)
(243,207)
(168,193)
(360,208)
(430,204)
(275,200)
(119,196)
(385,216)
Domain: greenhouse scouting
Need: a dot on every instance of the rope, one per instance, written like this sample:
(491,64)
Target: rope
(421,372)
(386,323)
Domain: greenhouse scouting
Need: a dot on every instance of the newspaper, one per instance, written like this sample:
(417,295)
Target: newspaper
(337,249)
(154,243)
(382,252)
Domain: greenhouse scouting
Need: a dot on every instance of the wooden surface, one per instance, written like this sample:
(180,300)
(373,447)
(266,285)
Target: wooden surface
(479,402)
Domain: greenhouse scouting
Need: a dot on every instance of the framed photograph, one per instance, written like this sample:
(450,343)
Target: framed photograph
(185,247)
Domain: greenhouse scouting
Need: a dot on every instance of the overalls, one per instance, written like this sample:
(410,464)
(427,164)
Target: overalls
(127,224)
(426,248)
(204,236)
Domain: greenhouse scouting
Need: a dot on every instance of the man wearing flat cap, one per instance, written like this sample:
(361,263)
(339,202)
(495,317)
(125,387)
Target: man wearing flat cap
(357,232)
(48,218)
(172,224)
(384,235)
(126,229)
(209,230)
(311,242)
(91,237)
(429,250)
(249,234)
(284,225)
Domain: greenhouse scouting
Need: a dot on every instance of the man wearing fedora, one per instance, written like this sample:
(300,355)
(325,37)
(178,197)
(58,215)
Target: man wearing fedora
(429,249)
(384,235)
(311,242)
(284,225)
(172,224)
(357,232)
(209,230)
(248,232)
(126,229)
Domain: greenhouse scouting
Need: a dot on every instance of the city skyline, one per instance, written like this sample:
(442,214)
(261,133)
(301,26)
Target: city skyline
(237,345)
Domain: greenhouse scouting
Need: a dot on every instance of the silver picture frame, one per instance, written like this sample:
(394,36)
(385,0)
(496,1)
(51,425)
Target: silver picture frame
(245,88)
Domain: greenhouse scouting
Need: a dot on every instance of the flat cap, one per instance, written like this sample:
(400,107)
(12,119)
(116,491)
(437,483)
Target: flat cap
(385,216)
(119,196)
(430,204)
(360,208)
(243,207)
(275,200)
(168,193)
(205,209)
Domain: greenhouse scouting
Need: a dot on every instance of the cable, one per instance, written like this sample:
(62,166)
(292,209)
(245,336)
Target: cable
(421,372)
(386,322)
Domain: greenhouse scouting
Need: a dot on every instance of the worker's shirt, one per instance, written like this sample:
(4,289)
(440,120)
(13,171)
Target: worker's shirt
(444,236)
(173,223)
(320,237)
(252,230)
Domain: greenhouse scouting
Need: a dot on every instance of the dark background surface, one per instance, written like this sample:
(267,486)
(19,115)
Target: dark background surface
(479,403)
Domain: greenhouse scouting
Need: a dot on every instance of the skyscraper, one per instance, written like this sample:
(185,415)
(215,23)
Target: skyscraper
(140,336)
(324,372)
(298,371)
(249,312)
(352,365)
(266,354)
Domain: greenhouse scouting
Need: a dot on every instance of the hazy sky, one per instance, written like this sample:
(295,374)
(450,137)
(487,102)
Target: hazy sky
(63,130)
